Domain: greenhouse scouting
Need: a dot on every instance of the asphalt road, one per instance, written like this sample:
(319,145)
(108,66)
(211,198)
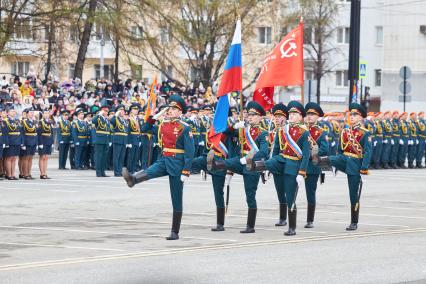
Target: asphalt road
(76,228)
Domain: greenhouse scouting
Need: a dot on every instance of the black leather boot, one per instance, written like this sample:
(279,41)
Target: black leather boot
(177,218)
(249,161)
(324,162)
(283,215)
(259,166)
(292,217)
(251,221)
(310,216)
(354,219)
(386,166)
(212,164)
(135,178)
(220,220)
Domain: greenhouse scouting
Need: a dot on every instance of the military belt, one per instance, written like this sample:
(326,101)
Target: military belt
(388,136)
(65,134)
(396,135)
(196,133)
(14,133)
(291,157)
(120,134)
(379,135)
(349,154)
(82,137)
(102,132)
(406,136)
(172,150)
(135,133)
(422,136)
(218,154)
(30,134)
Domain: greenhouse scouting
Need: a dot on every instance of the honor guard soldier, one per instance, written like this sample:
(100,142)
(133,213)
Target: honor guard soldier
(14,141)
(193,122)
(378,141)
(205,122)
(175,140)
(29,131)
(403,142)
(119,139)
(387,140)
(80,138)
(421,136)
(396,137)
(414,140)
(319,143)
(370,126)
(45,142)
(254,147)
(336,128)
(90,157)
(64,138)
(111,114)
(102,138)
(21,159)
(145,152)
(134,138)
(353,158)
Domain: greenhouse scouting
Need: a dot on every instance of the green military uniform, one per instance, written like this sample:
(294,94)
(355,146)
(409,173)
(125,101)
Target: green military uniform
(119,141)
(64,138)
(102,138)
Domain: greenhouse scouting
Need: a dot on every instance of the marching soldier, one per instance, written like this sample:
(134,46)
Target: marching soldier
(133,138)
(255,147)
(396,137)
(353,158)
(64,138)
(318,140)
(29,131)
(14,141)
(414,141)
(119,140)
(336,128)
(387,140)
(101,141)
(45,142)
(175,140)
(404,141)
(421,135)
(80,138)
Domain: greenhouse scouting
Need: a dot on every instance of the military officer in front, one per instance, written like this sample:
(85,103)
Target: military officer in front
(14,141)
(353,158)
(318,139)
(175,140)
(119,139)
(134,138)
(64,138)
(45,142)
(102,138)
(254,147)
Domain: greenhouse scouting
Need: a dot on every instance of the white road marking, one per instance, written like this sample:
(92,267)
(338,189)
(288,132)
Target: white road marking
(405,201)
(68,261)
(58,246)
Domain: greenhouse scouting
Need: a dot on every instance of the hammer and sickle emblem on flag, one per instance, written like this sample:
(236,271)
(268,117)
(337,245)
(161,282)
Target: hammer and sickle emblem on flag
(288,48)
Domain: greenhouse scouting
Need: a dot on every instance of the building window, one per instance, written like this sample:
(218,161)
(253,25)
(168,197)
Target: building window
(164,35)
(102,31)
(343,35)
(73,33)
(378,77)
(108,71)
(264,35)
(71,69)
(342,78)
(23,29)
(136,72)
(169,73)
(20,68)
(309,75)
(379,35)
(137,32)
(307,35)
(47,32)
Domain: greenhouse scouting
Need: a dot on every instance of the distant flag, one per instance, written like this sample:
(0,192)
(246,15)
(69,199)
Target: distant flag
(152,100)
(232,81)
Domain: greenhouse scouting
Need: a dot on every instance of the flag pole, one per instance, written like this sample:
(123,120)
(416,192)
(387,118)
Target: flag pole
(302,87)
(302,94)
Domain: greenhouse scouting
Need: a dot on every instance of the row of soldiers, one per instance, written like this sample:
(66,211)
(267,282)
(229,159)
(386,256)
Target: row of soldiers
(20,139)
(294,148)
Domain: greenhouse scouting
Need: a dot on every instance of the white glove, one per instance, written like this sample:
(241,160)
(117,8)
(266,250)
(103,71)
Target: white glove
(417,142)
(201,143)
(156,116)
(392,142)
(110,144)
(374,143)
(88,142)
(267,175)
(40,146)
(62,142)
(333,143)
(300,179)
(23,148)
(228,179)
(243,161)
(129,145)
(72,145)
(78,143)
(410,142)
(140,143)
(4,145)
(401,142)
(239,124)
(117,113)
(183,178)
(385,141)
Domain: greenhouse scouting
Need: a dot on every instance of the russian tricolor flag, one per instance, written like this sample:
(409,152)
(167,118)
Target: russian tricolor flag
(232,81)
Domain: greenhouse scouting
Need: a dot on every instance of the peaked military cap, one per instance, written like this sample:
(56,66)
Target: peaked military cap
(295,106)
(280,109)
(178,102)
(314,108)
(357,108)
(255,108)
